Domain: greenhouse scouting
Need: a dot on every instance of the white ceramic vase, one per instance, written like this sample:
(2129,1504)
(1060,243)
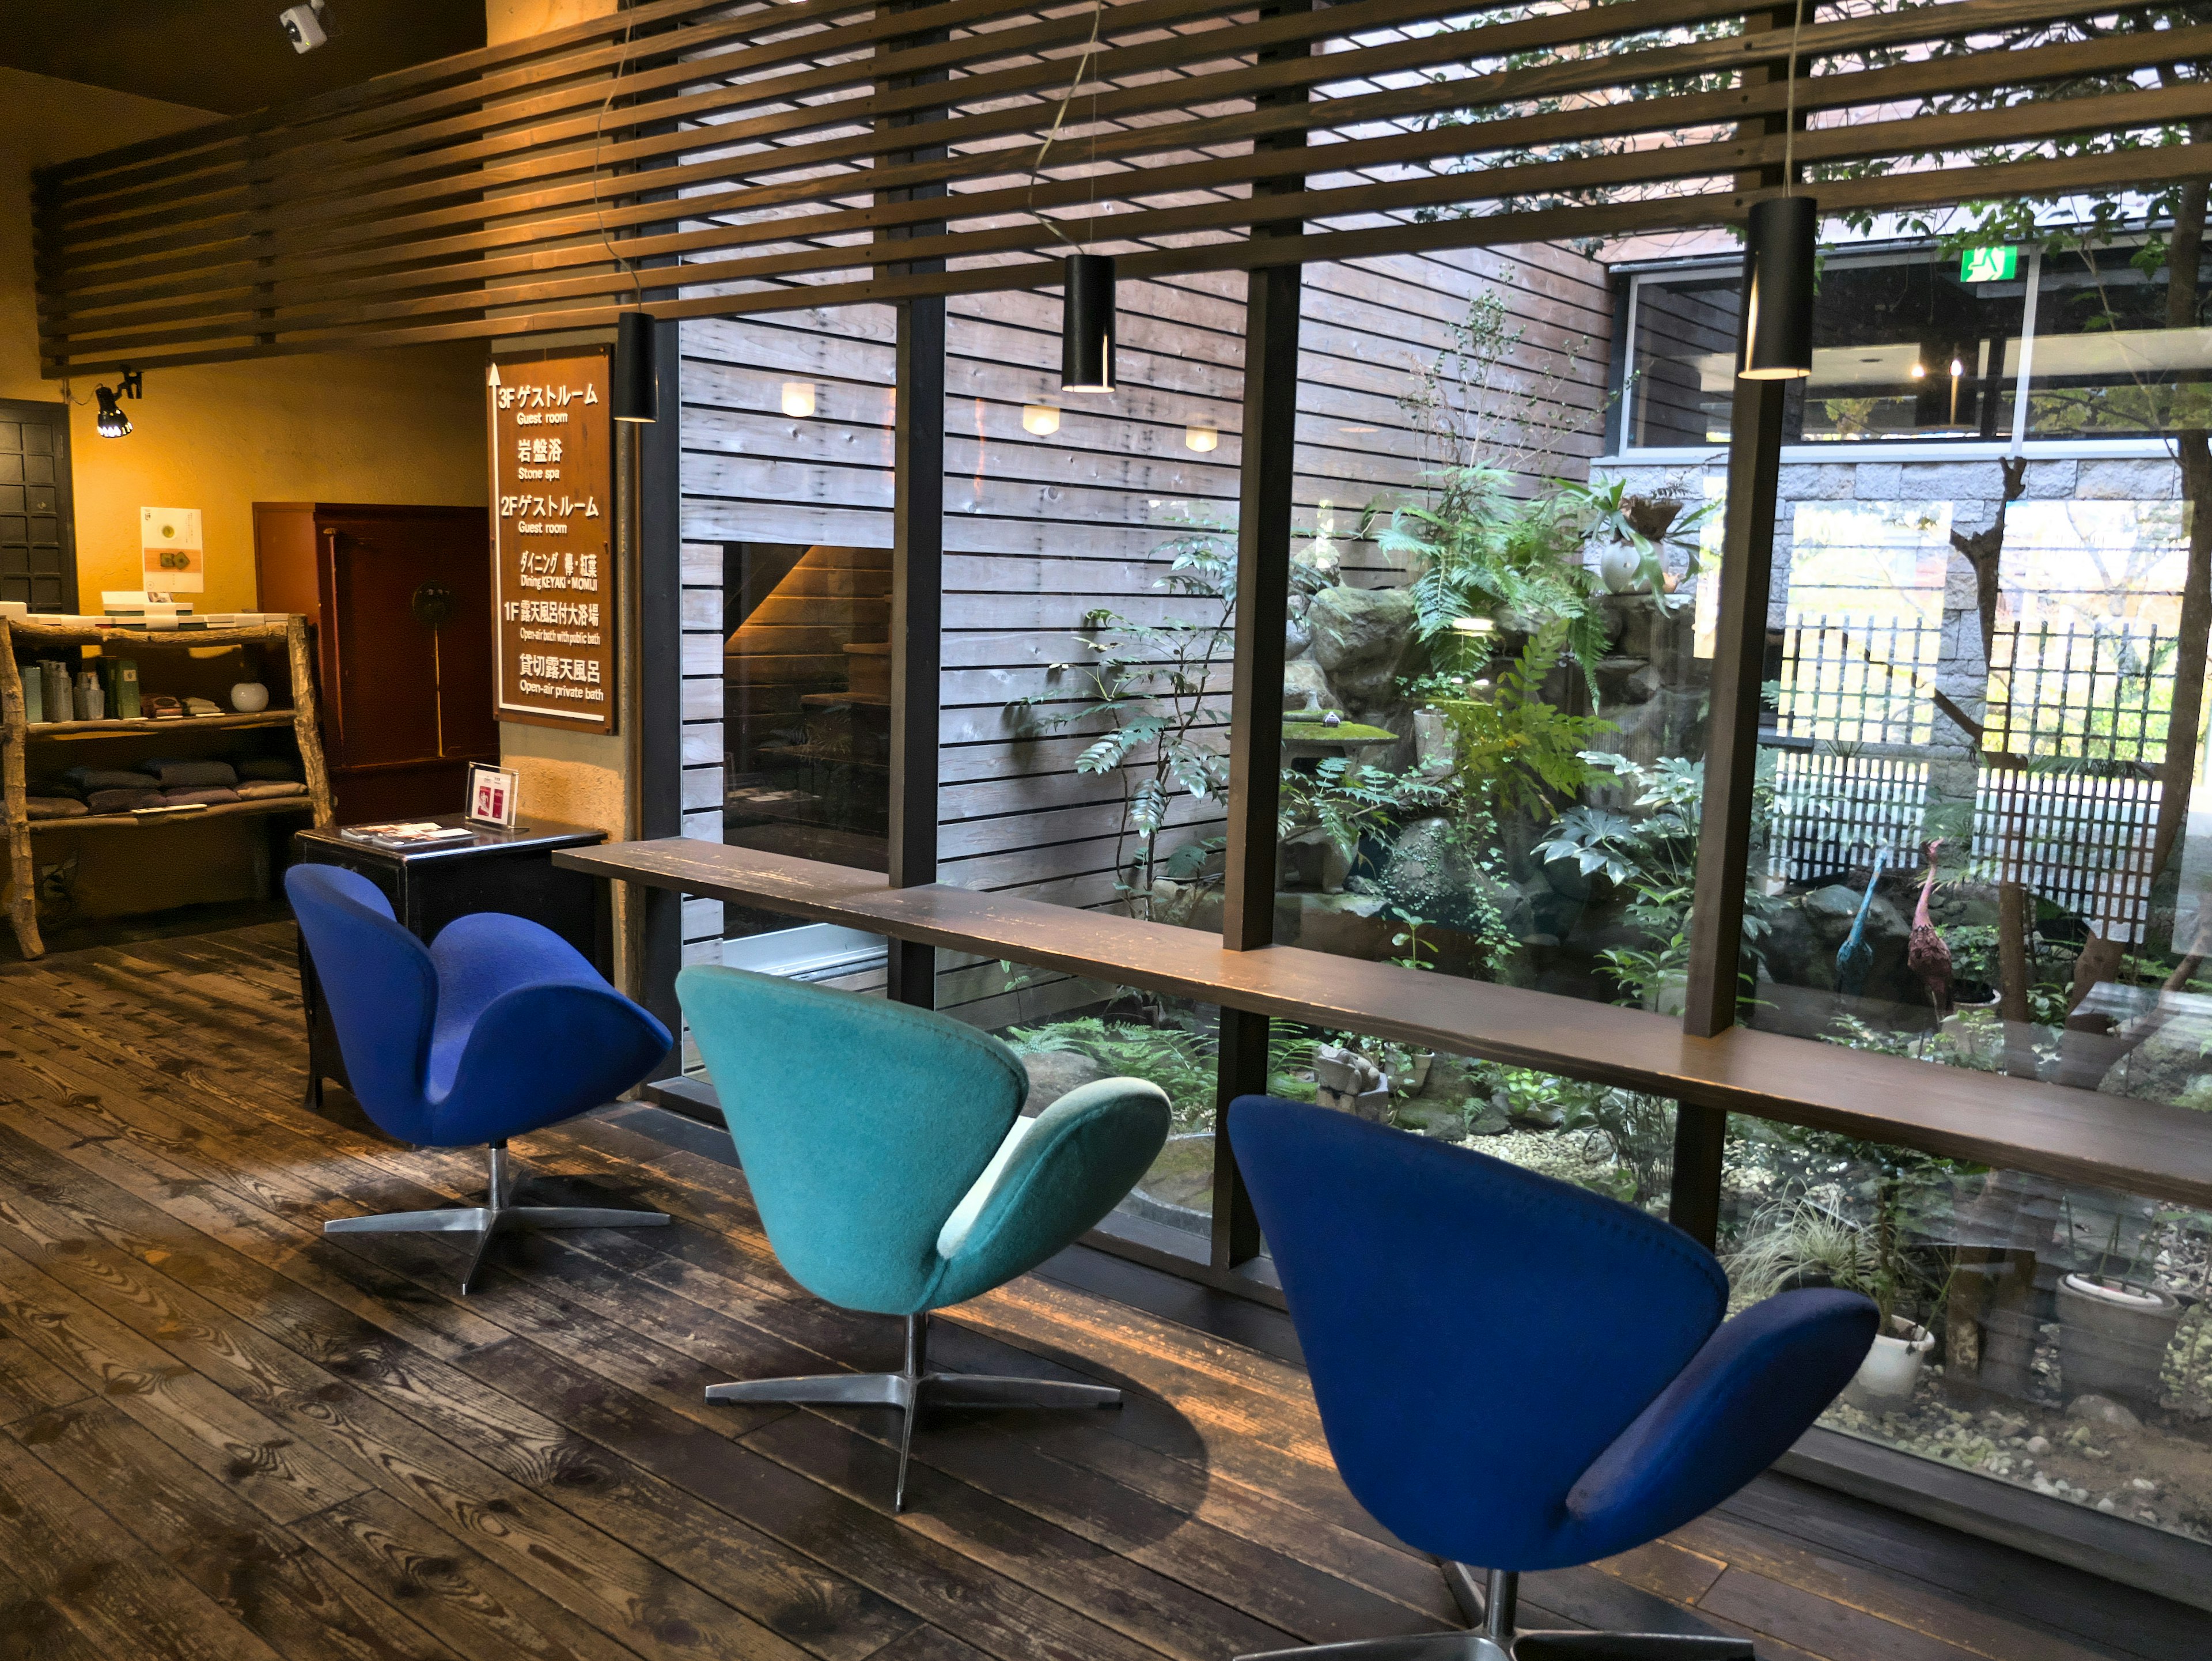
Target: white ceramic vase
(249,697)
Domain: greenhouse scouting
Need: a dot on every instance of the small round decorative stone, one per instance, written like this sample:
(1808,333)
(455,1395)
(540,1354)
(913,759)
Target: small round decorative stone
(249,697)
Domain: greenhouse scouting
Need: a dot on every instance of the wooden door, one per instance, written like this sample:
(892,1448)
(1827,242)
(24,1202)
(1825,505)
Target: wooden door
(38,535)
(407,644)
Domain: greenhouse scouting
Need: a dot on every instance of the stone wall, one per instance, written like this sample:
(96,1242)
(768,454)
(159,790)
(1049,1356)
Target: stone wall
(1973,492)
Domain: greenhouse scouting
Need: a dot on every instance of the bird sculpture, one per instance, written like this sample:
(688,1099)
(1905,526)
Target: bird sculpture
(1925,954)
(1855,957)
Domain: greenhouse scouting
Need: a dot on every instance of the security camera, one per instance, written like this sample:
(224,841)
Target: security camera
(304,27)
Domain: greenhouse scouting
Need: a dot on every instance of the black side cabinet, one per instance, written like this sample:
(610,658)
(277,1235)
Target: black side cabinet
(509,871)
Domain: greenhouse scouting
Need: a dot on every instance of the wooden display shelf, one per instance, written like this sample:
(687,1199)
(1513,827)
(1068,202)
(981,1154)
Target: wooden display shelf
(300,804)
(116,725)
(2141,1147)
(16,735)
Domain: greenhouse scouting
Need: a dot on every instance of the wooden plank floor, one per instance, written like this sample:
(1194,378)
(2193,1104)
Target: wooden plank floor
(223,1436)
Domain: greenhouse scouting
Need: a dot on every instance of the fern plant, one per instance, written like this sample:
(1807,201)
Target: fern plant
(1346,802)
(1476,550)
(1518,751)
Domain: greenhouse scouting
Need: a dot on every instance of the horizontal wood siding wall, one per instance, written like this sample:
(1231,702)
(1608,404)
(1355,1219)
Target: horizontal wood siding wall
(1041,529)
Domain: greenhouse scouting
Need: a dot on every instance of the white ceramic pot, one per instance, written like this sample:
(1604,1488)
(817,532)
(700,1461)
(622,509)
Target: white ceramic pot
(249,697)
(1620,567)
(1892,1366)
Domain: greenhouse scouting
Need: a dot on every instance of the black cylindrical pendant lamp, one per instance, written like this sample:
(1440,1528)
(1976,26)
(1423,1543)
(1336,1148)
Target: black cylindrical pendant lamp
(636,391)
(1086,325)
(1777,289)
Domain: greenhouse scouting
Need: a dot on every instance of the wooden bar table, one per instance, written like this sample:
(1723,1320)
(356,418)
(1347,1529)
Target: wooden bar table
(2142,1147)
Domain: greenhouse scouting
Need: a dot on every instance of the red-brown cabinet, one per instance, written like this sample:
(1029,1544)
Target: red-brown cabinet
(400,602)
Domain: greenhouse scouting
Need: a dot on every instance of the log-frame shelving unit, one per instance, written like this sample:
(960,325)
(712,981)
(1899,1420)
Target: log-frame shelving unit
(17,735)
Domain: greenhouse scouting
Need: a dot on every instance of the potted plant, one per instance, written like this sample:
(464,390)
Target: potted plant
(2114,1325)
(1797,1243)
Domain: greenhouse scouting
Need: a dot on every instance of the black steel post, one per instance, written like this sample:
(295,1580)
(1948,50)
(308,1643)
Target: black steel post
(1263,594)
(917,562)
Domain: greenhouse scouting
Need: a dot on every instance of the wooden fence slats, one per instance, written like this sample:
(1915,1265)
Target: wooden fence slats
(472,198)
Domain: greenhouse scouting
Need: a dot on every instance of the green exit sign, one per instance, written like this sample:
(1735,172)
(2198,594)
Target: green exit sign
(1989,265)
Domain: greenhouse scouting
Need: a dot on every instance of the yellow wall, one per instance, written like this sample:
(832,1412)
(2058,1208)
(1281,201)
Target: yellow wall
(405,425)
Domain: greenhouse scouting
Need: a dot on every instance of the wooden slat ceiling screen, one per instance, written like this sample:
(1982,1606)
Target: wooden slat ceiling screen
(782,154)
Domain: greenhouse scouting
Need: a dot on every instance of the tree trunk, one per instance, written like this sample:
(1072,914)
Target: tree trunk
(2193,445)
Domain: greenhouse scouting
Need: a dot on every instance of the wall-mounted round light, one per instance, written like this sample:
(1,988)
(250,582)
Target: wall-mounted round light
(1777,289)
(1920,372)
(111,422)
(1042,419)
(1201,437)
(798,398)
(1086,324)
(635,394)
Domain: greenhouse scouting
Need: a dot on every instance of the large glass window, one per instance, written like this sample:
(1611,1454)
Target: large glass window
(1494,717)
(2042,1333)
(1923,346)
(1090,555)
(2115,357)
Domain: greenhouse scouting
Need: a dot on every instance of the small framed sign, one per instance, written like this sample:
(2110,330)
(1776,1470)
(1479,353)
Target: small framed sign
(492,792)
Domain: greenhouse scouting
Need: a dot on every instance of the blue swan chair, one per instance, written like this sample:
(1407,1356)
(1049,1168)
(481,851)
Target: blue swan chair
(1516,1372)
(893,1172)
(497,1028)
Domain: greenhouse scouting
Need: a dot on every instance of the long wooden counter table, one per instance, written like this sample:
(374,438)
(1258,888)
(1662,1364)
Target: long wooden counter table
(2143,1147)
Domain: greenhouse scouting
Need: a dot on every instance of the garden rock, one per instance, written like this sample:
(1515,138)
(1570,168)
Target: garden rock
(2102,1410)
(1432,877)
(1052,1073)
(1362,638)
(2161,1067)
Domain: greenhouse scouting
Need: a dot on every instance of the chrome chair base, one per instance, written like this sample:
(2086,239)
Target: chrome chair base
(1489,1604)
(912,1390)
(490,1221)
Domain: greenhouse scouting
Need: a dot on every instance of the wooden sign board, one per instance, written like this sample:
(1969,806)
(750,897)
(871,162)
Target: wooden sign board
(552,543)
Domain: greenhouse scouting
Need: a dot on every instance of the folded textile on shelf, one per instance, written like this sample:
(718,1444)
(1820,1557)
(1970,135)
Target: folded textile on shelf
(111,778)
(206,795)
(191,773)
(268,789)
(202,707)
(53,807)
(122,801)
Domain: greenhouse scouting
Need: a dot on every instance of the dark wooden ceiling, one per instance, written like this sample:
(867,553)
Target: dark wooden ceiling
(229,56)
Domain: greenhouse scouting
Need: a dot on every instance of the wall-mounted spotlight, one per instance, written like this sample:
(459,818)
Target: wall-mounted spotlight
(1201,437)
(1777,289)
(635,395)
(111,422)
(1086,324)
(1042,419)
(305,26)
(799,399)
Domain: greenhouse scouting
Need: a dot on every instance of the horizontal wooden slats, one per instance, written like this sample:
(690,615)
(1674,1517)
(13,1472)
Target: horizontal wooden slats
(509,191)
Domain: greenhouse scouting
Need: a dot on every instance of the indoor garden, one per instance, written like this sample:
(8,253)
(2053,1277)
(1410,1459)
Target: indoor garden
(1966,850)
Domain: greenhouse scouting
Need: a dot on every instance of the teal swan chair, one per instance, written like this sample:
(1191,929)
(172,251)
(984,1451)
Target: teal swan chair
(894,1174)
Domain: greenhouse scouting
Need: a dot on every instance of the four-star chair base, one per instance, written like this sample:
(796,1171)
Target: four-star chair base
(1489,1609)
(913,1389)
(499,1215)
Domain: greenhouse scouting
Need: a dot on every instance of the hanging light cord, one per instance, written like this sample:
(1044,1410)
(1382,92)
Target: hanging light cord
(1789,105)
(622,266)
(1060,119)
